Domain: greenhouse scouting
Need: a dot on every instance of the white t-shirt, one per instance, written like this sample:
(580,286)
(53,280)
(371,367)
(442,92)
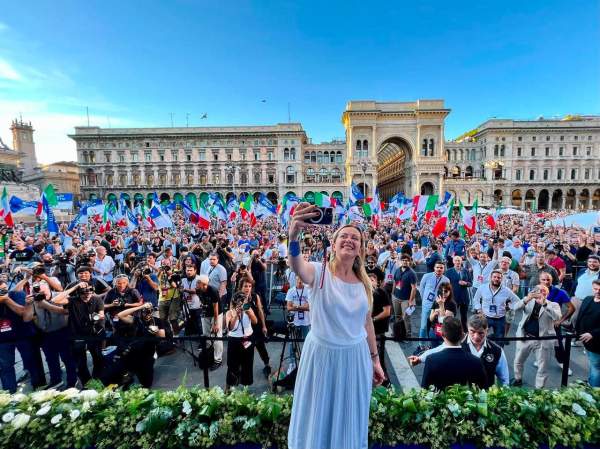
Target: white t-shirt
(299,297)
(282,250)
(216,275)
(193,301)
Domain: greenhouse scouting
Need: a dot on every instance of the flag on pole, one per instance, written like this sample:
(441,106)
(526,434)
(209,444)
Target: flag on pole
(132,222)
(469,219)
(423,204)
(492,219)
(50,220)
(17,205)
(287,208)
(80,218)
(323,200)
(160,219)
(232,208)
(247,209)
(50,195)
(355,193)
(6,212)
(264,208)
(441,224)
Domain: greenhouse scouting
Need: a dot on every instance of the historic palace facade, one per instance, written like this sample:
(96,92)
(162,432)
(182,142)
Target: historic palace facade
(545,163)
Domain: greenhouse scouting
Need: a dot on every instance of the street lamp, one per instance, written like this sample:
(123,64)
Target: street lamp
(493,165)
(364,165)
(231,170)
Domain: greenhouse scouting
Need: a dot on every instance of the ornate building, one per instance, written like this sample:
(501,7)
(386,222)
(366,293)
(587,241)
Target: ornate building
(395,146)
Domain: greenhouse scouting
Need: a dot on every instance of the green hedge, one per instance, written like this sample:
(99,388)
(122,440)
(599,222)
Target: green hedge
(196,417)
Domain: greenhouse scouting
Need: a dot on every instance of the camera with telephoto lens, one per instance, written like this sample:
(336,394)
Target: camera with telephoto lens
(38,295)
(146,271)
(61,259)
(120,301)
(175,277)
(3,292)
(85,291)
(97,326)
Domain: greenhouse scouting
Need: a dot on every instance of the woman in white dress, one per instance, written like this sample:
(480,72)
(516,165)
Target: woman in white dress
(339,361)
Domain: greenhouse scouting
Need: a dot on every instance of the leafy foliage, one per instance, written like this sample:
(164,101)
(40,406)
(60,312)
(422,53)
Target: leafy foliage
(199,418)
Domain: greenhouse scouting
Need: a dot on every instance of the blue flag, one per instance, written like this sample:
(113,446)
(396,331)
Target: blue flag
(51,221)
(355,193)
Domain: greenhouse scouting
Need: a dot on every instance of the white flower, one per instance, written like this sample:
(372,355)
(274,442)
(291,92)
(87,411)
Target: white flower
(18,397)
(21,420)
(187,407)
(74,414)
(88,395)
(85,406)
(44,410)
(8,417)
(56,419)
(5,399)
(578,409)
(44,395)
(70,393)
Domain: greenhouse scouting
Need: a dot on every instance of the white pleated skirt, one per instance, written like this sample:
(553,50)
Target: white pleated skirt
(332,396)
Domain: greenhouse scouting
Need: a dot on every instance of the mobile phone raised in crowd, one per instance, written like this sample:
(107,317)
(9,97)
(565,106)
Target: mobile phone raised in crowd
(596,233)
(325,216)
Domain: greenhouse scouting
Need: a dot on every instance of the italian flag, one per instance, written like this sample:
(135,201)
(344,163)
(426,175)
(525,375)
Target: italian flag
(247,210)
(323,200)
(5,209)
(492,219)
(202,216)
(423,204)
(105,227)
(441,224)
(469,218)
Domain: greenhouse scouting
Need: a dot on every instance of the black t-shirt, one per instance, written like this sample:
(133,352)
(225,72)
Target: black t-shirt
(582,254)
(381,299)
(532,325)
(23,256)
(448,305)
(403,282)
(80,314)
(145,349)
(378,272)
(258,272)
(99,285)
(207,299)
(131,296)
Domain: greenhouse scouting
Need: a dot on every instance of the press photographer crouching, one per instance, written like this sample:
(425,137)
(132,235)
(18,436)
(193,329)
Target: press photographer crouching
(86,320)
(84,274)
(136,347)
(240,350)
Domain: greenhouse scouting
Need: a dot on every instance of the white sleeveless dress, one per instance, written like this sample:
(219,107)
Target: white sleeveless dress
(333,387)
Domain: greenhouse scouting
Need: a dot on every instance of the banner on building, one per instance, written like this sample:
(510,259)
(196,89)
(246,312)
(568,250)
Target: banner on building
(65,201)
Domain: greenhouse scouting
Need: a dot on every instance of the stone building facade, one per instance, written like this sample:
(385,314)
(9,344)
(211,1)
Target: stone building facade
(396,146)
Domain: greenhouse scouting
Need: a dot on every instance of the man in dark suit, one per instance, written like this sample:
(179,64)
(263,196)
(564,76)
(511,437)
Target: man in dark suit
(453,365)
(460,280)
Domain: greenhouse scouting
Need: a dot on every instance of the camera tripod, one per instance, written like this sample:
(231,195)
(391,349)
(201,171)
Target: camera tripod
(290,379)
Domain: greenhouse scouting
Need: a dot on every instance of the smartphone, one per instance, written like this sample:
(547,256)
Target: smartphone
(596,233)
(325,216)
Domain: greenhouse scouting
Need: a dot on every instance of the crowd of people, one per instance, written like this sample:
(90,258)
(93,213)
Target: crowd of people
(122,295)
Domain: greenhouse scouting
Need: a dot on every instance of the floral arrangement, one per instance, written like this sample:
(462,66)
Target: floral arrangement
(199,418)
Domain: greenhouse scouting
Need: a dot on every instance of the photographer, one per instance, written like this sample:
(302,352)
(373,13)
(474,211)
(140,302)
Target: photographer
(145,280)
(189,287)
(258,268)
(61,266)
(52,322)
(135,352)
(169,301)
(16,332)
(84,274)
(38,274)
(240,352)
(212,316)
(86,319)
(119,298)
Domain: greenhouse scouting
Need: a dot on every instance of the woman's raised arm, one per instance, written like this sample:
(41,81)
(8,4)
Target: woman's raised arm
(302,268)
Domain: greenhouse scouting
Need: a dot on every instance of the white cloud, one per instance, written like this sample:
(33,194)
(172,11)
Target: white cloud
(7,71)
(51,128)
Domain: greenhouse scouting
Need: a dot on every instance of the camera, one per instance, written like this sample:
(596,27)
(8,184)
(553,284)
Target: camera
(175,277)
(38,295)
(120,301)
(3,292)
(290,317)
(61,259)
(97,326)
(324,217)
(38,271)
(146,270)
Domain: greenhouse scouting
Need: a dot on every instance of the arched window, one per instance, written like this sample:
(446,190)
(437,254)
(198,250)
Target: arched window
(290,175)
(338,157)
(358,146)
(84,156)
(319,157)
(286,154)
(447,155)
(326,157)
(243,178)
(424,148)
(307,157)
(431,147)
(310,174)
(293,154)
(454,154)
(332,157)
(230,178)
(313,157)
(502,150)
(461,155)
(324,174)
(365,146)
(495,150)
(92,157)
(467,154)
(456,172)
(336,174)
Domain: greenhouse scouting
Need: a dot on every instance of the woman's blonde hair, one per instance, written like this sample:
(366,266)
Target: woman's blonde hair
(358,266)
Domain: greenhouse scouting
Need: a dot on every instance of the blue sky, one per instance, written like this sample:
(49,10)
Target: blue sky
(135,62)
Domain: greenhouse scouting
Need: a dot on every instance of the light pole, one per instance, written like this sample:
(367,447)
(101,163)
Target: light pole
(364,165)
(493,165)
